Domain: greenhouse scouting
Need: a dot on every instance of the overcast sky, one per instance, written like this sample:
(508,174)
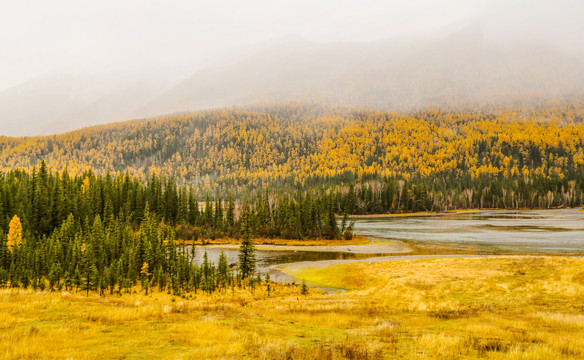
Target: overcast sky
(42,37)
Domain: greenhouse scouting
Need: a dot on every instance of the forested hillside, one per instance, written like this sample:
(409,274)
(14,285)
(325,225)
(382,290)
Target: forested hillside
(499,157)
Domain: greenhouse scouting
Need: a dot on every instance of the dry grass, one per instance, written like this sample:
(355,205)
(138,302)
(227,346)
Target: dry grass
(507,307)
(504,307)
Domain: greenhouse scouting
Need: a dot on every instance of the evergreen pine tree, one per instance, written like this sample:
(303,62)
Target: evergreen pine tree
(230,216)
(218,220)
(246,256)
(223,270)
(304,288)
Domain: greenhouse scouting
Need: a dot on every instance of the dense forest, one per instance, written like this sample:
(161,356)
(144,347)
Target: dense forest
(508,157)
(109,233)
(113,258)
(43,200)
(465,192)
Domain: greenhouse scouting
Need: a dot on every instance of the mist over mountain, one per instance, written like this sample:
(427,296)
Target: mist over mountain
(460,69)
(65,101)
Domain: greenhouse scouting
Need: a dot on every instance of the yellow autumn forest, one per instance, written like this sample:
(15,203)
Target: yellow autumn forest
(300,142)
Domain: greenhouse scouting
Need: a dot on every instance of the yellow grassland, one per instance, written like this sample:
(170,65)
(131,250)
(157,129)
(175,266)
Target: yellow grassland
(512,307)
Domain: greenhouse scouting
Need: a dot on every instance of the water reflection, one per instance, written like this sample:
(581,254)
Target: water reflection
(265,259)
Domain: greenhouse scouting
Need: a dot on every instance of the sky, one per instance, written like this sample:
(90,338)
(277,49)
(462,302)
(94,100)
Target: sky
(176,38)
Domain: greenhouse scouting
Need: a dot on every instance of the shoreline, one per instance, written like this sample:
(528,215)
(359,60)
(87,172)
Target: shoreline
(457,211)
(356,240)
(372,246)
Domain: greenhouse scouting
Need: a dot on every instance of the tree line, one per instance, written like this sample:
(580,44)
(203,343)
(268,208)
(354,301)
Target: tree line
(43,200)
(450,193)
(110,233)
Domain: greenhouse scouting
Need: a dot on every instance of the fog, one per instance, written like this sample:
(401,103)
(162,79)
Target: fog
(67,64)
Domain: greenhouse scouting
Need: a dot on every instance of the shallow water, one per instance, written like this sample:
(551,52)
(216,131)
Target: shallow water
(531,231)
(265,259)
(558,231)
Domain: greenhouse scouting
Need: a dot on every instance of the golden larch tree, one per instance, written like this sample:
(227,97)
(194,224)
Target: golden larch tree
(14,233)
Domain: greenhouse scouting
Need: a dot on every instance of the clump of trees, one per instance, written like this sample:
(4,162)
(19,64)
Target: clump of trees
(450,193)
(92,256)
(109,234)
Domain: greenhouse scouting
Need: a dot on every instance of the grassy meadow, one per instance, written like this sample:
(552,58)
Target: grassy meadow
(511,307)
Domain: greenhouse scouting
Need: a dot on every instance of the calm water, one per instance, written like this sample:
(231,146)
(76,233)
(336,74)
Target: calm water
(265,259)
(537,231)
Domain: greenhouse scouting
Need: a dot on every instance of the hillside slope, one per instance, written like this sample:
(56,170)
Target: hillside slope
(306,144)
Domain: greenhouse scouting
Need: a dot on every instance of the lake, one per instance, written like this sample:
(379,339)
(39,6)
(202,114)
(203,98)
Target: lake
(531,231)
(523,231)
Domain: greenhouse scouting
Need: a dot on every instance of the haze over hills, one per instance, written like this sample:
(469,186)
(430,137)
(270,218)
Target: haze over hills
(462,68)
(65,101)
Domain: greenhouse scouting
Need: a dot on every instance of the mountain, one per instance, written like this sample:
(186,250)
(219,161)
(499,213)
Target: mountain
(460,69)
(61,102)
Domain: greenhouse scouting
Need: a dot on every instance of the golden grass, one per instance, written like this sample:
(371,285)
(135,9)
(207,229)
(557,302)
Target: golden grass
(510,307)
(504,307)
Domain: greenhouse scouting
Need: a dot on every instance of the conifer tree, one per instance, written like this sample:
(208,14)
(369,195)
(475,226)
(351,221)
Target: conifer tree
(304,288)
(247,260)
(223,270)
(193,208)
(14,238)
(218,221)
(268,284)
(4,251)
(54,276)
(89,274)
(230,216)
(209,212)
(351,201)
